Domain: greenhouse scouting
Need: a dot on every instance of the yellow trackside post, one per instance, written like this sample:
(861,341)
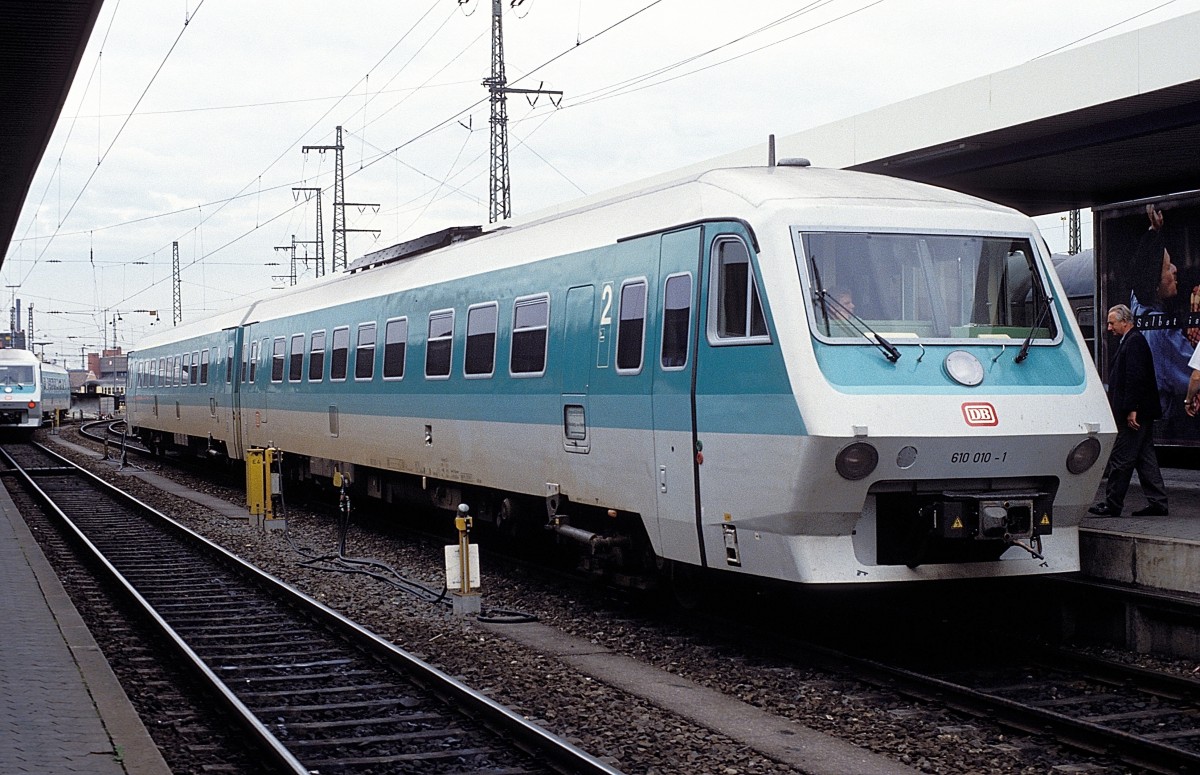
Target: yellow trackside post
(462,567)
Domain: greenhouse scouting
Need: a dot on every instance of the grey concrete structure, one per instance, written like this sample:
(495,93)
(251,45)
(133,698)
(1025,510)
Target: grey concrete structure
(1157,552)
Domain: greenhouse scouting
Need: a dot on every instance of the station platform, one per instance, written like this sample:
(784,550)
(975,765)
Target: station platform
(1157,552)
(61,708)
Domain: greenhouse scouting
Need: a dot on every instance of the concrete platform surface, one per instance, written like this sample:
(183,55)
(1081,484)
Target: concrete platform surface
(1158,552)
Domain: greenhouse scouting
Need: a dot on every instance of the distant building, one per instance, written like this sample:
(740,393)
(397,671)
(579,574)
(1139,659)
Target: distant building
(107,373)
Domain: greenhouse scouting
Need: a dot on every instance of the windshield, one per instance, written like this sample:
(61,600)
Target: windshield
(922,286)
(16,375)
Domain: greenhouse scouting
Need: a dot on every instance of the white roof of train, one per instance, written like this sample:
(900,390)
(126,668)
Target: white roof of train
(16,355)
(835,197)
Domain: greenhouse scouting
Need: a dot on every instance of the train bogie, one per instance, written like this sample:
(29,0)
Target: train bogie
(673,378)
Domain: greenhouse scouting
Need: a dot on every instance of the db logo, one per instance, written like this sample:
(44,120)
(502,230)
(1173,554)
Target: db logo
(980,414)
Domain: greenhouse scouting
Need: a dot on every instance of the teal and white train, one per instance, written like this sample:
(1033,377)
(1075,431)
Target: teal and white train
(810,375)
(32,391)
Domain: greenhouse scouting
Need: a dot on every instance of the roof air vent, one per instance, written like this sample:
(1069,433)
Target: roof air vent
(795,161)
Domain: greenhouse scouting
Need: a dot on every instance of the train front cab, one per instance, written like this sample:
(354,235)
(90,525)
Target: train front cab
(20,397)
(834,463)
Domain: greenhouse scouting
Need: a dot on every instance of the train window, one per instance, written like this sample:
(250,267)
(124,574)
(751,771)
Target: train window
(395,342)
(253,361)
(316,356)
(175,377)
(739,312)
(925,286)
(278,351)
(204,367)
(195,373)
(187,375)
(677,313)
(631,327)
(480,357)
(162,372)
(439,346)
(364,352)
(229,365)
(531,318)
(339,353)
(296,358)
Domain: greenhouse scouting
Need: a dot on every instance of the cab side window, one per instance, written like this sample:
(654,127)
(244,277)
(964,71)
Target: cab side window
(739,313)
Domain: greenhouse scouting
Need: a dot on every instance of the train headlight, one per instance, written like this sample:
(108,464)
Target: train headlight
(964,368)
(1083,456)
(857,460)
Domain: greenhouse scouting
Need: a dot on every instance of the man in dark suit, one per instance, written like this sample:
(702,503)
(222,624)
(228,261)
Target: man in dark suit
(1133,394)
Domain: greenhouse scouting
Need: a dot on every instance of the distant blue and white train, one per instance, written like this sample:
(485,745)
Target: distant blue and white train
(810,375)
(31,391)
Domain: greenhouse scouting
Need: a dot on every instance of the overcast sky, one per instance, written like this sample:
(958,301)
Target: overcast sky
(186,120)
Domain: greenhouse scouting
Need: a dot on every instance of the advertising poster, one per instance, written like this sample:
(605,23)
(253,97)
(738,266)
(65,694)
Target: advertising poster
(1148,257)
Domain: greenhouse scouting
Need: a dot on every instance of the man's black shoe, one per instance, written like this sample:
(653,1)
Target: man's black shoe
(1151,511)
(1102,510)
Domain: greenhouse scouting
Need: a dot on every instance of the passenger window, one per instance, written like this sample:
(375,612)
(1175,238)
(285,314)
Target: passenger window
(253,361)
(195,373)
(394,345)
(480,359)
(229,365)
(162,372)
(531,319)
(739,313)
(364,352)
(177,377)
(316,357)
(439,346)
(631,326)
(187,376)
(296,358)
(277,358)
(677,312)
(204,367)
(338,356)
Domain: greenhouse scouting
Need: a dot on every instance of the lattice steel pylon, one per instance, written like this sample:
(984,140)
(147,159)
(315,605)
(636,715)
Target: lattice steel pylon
(339,203)
(499,187)
(1075,240)
(176,296)
(320,240)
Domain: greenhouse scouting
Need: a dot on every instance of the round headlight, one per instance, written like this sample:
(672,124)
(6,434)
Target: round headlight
(857,460)
(1083,456)
(964,368)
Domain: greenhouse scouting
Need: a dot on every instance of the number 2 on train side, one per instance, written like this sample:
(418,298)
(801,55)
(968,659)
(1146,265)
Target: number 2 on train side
(606,300)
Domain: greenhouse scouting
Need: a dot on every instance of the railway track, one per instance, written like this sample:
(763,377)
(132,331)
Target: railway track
(313,690)
(1144,718)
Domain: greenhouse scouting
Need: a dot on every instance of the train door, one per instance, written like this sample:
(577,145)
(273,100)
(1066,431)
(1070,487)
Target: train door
(672,359)
(577,368)
(252,404)
(235,395)
(736,370)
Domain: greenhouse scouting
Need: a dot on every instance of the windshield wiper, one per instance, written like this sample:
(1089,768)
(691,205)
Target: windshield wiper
(1045,297)
(823,298)
(860,326)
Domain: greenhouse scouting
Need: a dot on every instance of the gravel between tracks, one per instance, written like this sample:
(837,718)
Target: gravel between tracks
(623,730)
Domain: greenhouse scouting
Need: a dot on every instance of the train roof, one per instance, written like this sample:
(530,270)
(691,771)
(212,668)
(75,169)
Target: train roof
(748,193)
(17,355)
